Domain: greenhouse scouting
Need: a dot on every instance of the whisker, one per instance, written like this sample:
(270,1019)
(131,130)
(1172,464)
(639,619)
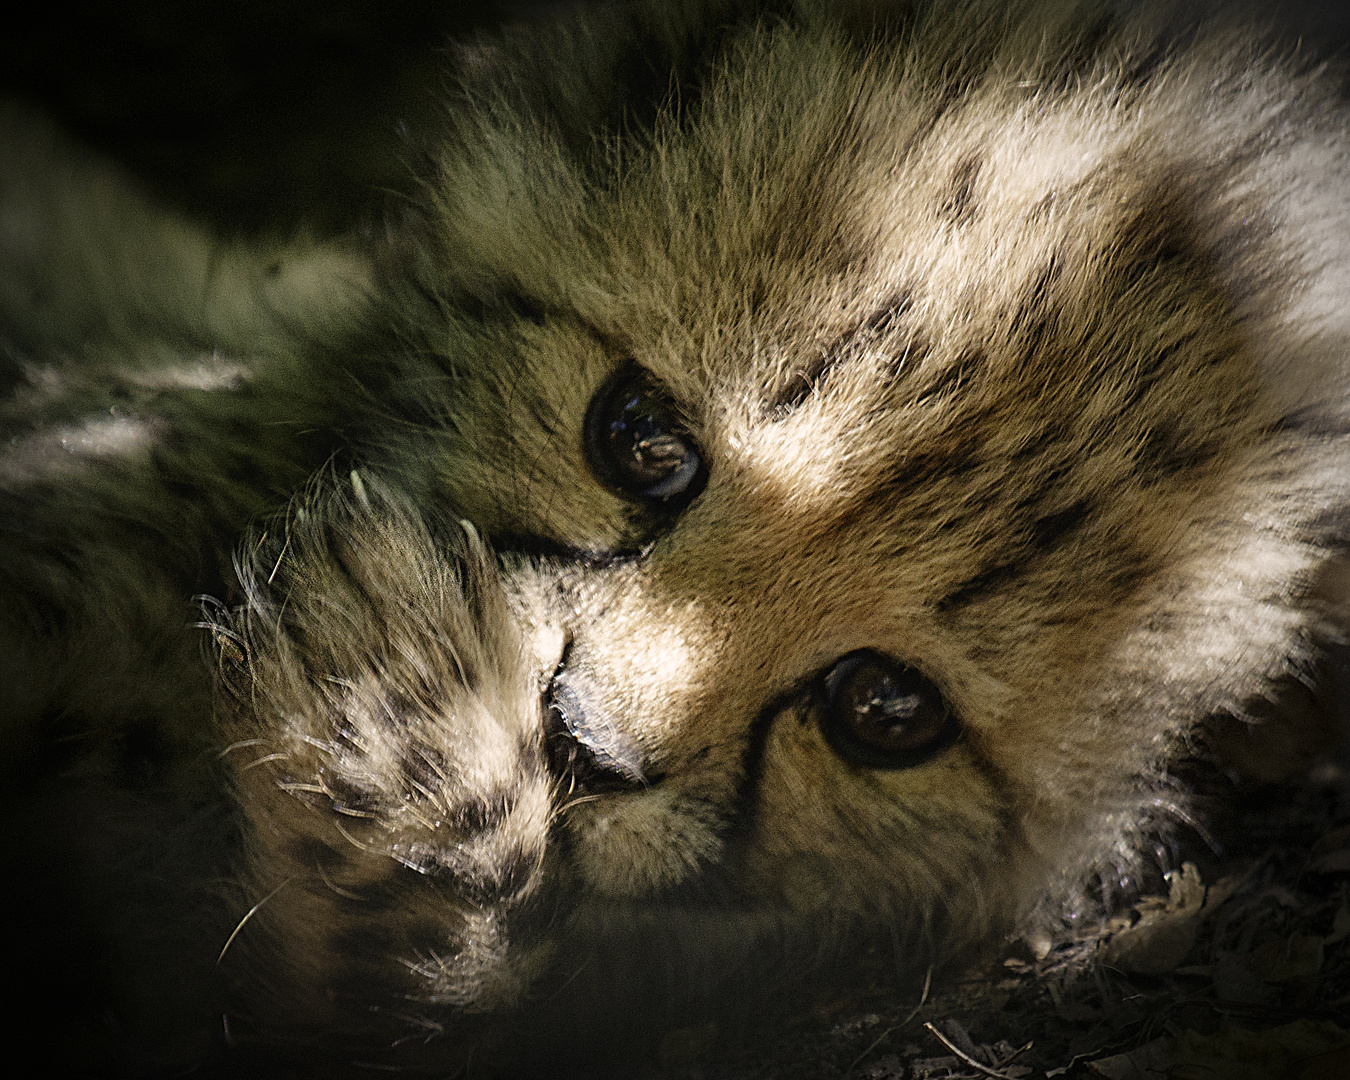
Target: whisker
(248,915)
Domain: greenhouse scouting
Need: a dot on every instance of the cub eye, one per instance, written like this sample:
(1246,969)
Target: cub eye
(882,713)
(635,441)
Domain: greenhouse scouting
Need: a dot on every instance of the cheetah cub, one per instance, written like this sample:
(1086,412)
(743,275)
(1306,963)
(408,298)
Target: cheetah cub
(803,473)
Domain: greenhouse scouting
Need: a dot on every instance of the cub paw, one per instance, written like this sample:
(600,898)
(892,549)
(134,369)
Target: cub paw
(386,749)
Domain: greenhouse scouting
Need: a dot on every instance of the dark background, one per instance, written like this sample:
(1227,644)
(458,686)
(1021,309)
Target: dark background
(262,113)
(255,114)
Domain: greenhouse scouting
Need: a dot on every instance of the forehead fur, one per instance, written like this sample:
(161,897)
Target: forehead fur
(804,160)
(884,242)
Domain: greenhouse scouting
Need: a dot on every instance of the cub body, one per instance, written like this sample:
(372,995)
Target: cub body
(810,489)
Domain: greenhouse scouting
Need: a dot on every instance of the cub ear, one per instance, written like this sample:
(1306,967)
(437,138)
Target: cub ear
(588,74)
(875,22)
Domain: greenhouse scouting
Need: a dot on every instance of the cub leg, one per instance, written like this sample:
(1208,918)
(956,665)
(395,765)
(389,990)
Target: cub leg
(159,387)
(385,738)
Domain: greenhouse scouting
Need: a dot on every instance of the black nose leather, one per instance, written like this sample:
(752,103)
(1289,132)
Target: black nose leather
(586,747)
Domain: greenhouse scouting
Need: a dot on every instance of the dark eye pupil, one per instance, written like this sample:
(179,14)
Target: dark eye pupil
(641,446)
(635,442)
(883,713)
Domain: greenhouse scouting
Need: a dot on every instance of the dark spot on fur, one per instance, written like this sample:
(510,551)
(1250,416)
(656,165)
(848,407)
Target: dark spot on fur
(350,943)
(957,205)
(14,365)
(1167,452)
(1328,527)
(954,376)
(503,304)
(1045,206)
(306,849)
(928,467)
(487,812)
(883,320)
(1159,232)
(874,24)
(908,359)
(802,383)
(1032,537)
(1039,449)
(424,769)
(805,380)
(184,491)
(361,948)
(1145,65)
(1037,317)
(1050,530)
(399,710)
(1125,577)
(810,224)
(1153,55)
(144,753)
(247,473)
(1311,420)
(1079,54)
(349,798)
(988,580)
(656,77)
(830,244)
(521,307)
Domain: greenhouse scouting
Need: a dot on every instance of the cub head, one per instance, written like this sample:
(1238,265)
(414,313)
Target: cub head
(891,450)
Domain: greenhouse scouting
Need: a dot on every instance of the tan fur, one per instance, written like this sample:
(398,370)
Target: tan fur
(1014,345)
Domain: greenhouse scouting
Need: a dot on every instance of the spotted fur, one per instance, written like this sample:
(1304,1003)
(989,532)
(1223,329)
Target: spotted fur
(1012,338)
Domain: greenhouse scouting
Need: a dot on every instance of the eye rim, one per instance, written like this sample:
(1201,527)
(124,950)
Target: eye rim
(678,488)
(845,740)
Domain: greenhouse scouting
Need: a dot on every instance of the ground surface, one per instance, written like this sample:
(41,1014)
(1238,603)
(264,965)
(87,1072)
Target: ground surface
(1241,972)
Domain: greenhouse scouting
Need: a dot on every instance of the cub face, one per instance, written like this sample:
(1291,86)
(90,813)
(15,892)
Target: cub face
(839,501)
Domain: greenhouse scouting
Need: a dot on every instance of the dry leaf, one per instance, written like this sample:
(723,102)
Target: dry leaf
(1166,930)
(1303,1050)
(1148,1062)
(1279,961)
(1340,926)
(1186,890)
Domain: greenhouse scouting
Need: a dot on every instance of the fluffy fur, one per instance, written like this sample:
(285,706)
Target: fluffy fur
(1012,339)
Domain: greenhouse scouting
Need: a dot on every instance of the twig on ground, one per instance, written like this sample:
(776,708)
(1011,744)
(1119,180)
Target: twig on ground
(964,1056)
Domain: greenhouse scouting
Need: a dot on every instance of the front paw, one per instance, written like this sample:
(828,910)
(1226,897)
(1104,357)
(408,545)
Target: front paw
(384,737)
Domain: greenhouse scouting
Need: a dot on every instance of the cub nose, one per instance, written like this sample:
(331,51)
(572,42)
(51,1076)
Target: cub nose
(586,746)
